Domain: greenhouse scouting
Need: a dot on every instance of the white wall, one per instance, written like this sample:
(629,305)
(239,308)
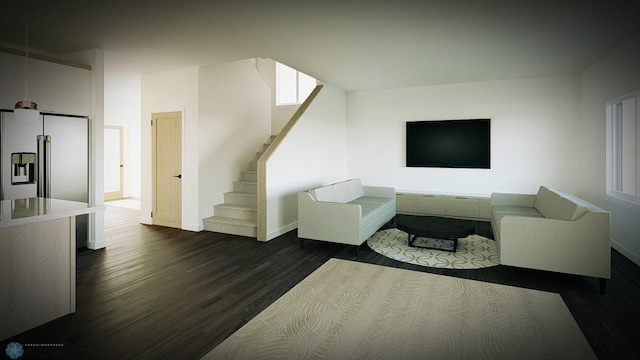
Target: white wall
(614,75)
(164,92)
(313,154)
(535,135)
(234,123)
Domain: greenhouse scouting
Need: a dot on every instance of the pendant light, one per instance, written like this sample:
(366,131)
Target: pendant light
(26,110)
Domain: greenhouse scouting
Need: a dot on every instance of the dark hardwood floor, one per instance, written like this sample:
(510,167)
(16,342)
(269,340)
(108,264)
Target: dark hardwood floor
(162,293)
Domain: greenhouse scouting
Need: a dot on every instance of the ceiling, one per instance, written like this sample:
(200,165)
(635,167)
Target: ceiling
(350,44)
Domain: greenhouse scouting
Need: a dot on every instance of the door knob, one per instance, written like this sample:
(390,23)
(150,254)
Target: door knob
(178,176)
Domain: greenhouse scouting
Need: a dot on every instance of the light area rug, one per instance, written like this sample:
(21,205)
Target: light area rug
(351,310)
(473,252)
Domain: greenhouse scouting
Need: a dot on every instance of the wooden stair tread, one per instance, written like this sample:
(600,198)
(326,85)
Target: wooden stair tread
(241,193)
(226,220)
(238,206)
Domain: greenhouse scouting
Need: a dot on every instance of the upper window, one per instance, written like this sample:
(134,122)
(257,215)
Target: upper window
(623,148)
(292,86)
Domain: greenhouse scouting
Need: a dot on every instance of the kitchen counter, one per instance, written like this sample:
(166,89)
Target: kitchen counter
(35,209)
(37,261)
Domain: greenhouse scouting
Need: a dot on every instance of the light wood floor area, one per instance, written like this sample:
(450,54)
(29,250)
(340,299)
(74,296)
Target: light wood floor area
(162,293)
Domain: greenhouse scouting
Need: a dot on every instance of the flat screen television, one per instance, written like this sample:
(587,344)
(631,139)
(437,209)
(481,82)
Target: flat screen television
(449,143)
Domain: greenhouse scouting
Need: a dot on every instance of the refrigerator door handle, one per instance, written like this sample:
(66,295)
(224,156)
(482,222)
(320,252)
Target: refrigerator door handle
(47,167)
(40,171)
(44,166)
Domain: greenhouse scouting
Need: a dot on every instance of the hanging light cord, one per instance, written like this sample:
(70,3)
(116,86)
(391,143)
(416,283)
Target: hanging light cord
(26,50)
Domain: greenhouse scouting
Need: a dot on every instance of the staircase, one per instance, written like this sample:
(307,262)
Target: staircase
(239,212)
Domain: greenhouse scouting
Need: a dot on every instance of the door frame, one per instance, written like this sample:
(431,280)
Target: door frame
(155,220)
(113,195)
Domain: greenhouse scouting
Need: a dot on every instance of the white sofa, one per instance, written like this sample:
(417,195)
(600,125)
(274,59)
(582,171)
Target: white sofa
(553,231)
(346,212)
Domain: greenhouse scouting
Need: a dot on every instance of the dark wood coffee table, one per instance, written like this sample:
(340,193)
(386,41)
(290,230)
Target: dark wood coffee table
(436,228)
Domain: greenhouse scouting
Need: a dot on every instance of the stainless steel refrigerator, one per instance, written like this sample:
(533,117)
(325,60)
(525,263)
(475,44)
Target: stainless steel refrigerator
(46,158)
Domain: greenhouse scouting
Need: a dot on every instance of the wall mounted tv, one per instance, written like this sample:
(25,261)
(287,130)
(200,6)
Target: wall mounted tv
(449,143)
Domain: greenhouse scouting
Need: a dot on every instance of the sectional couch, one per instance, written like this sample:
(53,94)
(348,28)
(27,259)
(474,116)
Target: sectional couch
(552,230)
(345,212)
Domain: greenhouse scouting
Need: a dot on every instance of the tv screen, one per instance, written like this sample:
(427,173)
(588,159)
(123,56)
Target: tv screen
(449,143)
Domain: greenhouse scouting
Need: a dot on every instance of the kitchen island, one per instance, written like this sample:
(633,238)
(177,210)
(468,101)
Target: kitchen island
(37,261)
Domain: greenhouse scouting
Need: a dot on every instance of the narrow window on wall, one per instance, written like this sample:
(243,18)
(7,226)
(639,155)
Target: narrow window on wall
(623,150)
(292,86)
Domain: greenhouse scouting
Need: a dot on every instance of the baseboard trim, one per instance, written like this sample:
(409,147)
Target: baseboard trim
(626,252)
(192,227)
(281,231)
(146,220)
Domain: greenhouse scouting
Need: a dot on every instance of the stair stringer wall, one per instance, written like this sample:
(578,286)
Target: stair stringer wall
(310,151)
